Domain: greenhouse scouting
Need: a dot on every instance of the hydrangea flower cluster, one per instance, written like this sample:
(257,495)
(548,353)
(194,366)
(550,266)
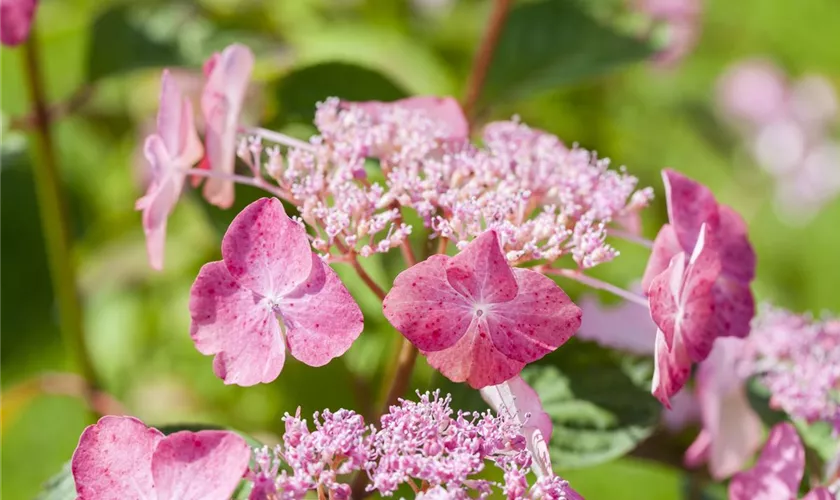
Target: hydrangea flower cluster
(423,444)
(787,129)
(798,359)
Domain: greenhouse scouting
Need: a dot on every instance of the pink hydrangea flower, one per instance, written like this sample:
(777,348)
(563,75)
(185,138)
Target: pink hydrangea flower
(120,458)
(690,204)
(477,319)
(443,110)
(270,293)
(16,20)
(173,148)
(682,306)
(778,472)
(228,74)
(732,432)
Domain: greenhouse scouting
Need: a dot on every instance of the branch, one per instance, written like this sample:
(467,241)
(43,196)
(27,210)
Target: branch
(484,56)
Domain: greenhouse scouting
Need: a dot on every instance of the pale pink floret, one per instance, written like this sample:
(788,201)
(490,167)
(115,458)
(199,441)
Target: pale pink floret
(228,74)
(443,110)
(777,473)
(16,20)
(690,204)
(173,148)
(270,293)
(477,319)
(732,431)
(119,458)
(682,306)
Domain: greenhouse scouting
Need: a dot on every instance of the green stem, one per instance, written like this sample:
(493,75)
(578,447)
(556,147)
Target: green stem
(53,223)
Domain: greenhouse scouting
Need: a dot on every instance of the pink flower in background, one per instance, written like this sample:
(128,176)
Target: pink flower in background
(16,18)
(227,75)
(625,326)
(682,304)
(173,148)
(270,293)
(120,458)
(778,472)
(754,91)
(682,23)
(732,431)
(477,319)
(690,204)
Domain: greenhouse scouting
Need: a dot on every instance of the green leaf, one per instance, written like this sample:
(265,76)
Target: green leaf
(598,400)
(299,90)
(124,39)
(552,43)
(62,487)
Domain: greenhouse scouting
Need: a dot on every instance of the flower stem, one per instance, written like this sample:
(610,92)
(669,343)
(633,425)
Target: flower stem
(484,56)
(376,289)
(624,235)
(599,285)
(56,234)
(240,179)
(279,138)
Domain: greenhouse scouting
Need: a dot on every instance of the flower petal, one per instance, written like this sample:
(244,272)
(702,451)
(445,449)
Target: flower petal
(16,20)
(820,493)
(221,103)
(236,325)
(537,321)
(161,197)
(737,254)
(481,272)
(697,323)
(424,307)
(266,251)
(690,204)
(665,246)
(519,402)
(734,307)
(778,471)
(176,125)
(626,327)
(204,465)
(672,368)
(113,460)
(322,319)
(664,297)
(474,359)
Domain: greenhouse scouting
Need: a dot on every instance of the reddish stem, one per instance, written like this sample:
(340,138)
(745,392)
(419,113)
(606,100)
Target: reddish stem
(484,56)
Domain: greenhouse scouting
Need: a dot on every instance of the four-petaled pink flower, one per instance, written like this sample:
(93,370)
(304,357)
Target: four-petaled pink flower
(682,306)
(227,75)
(777,473)
(269,273)
(173,148)
(477,319)
(690,204)
(119,458)
(16,20)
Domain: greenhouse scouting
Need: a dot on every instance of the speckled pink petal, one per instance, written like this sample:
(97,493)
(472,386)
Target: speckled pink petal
(16,20)
(113,460)
(322,319)
(697,323)
(236,325)
(221,102)
(819,494)
(204,465)
(665,246)
(778,471)
(481,272)
(475,360)
(626,326)
(516,399)
(159,201)
(734,307)
(690,204)
(737,254)
(537,321)
(664,297)
(445,110)
(266,251)
(672,367)
(424,307)
(733,429)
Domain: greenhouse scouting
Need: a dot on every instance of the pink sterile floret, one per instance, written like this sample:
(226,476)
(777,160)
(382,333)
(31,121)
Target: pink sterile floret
(16,20)
(173,148)
(120,458)
(228,74)
(682,306)
(777,473)
(268,273)
(690,204)
(477,319)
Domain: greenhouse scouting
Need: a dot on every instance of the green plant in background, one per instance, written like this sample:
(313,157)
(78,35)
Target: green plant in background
(135,322)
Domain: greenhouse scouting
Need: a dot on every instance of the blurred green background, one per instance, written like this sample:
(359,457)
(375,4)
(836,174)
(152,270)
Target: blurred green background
(641,115)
